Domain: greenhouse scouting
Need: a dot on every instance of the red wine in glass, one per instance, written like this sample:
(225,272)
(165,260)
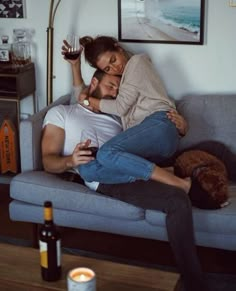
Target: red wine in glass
(72,55)
(93,151)
(90,139)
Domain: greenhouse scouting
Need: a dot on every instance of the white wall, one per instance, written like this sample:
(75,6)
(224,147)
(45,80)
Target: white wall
(184,68)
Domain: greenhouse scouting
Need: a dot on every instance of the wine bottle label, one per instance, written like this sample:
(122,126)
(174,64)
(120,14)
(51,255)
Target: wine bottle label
(59,253)
(43,248)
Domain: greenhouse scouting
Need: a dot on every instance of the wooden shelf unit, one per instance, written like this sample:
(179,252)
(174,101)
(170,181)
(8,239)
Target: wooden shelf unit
(16,83)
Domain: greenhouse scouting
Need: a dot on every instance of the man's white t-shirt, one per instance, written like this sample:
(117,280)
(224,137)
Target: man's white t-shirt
(74,119)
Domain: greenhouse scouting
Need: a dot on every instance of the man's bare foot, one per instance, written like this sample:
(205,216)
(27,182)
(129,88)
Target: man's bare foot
(187,184)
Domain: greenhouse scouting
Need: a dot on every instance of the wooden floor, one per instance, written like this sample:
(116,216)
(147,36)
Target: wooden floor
(15,262)
(120,248)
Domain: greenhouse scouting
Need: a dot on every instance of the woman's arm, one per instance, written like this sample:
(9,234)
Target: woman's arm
(78,82)
(125,100)
(75,65)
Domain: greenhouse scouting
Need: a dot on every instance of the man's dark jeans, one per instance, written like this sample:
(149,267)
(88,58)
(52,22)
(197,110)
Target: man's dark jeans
(177,206)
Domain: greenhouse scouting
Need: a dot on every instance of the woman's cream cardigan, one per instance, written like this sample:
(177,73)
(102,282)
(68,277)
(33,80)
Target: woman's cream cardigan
(141,93)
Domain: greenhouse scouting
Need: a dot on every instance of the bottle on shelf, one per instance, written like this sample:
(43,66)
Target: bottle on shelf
(5,51)
(50,246)
(21,47)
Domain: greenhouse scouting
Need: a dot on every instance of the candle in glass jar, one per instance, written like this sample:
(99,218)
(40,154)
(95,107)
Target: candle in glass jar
(81,279)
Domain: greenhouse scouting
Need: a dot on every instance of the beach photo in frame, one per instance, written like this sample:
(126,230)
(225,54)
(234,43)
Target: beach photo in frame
(161,21)
(12,8)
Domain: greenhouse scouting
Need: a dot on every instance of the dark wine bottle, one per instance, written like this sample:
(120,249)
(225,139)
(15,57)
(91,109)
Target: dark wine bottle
(50,246)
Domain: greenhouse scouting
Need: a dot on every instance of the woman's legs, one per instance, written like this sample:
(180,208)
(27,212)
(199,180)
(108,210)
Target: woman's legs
(127,153)
(93,171)
(155,138)
(165,176)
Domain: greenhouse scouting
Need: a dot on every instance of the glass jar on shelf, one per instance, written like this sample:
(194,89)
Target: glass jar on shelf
(21,47)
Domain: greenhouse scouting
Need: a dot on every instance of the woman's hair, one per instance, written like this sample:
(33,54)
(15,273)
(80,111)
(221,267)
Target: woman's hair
(93,47)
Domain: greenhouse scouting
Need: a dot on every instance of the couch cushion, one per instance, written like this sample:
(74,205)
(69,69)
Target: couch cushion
(37,186)
(30,137)
(21,211)
(220,221)
(210,117)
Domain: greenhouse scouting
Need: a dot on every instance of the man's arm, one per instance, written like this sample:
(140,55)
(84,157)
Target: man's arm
(52,149)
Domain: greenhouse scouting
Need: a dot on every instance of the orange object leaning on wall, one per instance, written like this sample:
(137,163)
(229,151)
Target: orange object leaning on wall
(8,147)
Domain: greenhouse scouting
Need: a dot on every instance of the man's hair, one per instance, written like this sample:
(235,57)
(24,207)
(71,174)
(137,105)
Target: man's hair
(98,74)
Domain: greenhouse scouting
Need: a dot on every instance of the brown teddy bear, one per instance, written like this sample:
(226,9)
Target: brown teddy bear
(209,188)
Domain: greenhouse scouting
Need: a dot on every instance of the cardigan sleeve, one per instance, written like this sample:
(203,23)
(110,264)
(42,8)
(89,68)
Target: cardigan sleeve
(121,105)
(75,92)
(129,91)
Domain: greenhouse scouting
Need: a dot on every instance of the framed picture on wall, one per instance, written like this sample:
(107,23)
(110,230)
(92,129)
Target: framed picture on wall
(12,8)
(161,21)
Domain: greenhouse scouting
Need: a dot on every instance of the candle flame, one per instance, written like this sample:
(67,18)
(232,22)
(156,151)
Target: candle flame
(83,278)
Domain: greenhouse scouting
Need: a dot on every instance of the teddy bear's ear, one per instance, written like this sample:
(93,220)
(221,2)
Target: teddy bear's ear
(201,198)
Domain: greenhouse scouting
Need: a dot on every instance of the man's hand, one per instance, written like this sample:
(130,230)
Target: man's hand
(179,121)
(52,148)
(80,155)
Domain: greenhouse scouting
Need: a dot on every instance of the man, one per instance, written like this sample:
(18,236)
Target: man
(61,152)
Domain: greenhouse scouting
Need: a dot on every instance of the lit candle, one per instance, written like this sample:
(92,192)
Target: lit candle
(81,279)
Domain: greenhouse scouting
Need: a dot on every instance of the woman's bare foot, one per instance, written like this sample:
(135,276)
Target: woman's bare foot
(169,169)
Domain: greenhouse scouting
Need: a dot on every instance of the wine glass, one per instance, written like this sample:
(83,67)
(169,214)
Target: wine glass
(90,134)
(73,45)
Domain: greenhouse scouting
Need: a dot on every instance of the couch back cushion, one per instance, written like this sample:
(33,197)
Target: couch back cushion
(30,137)
(210,118)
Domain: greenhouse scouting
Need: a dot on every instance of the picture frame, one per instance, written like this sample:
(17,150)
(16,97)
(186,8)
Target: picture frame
(161,21)
(12,9)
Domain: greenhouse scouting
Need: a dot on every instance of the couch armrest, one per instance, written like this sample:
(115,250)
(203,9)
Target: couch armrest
(30,137)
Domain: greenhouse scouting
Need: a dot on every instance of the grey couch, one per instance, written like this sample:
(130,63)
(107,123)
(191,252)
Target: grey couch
(209,117)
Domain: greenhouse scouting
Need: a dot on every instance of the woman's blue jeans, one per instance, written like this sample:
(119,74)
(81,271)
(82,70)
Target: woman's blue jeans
(131,155)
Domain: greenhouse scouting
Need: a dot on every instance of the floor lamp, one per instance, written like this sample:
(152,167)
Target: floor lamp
(52,13)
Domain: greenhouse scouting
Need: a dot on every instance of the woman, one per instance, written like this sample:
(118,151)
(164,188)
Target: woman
(149,136)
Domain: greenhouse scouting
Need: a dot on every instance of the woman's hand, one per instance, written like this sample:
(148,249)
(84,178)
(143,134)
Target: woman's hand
(65,49)
(179,121)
